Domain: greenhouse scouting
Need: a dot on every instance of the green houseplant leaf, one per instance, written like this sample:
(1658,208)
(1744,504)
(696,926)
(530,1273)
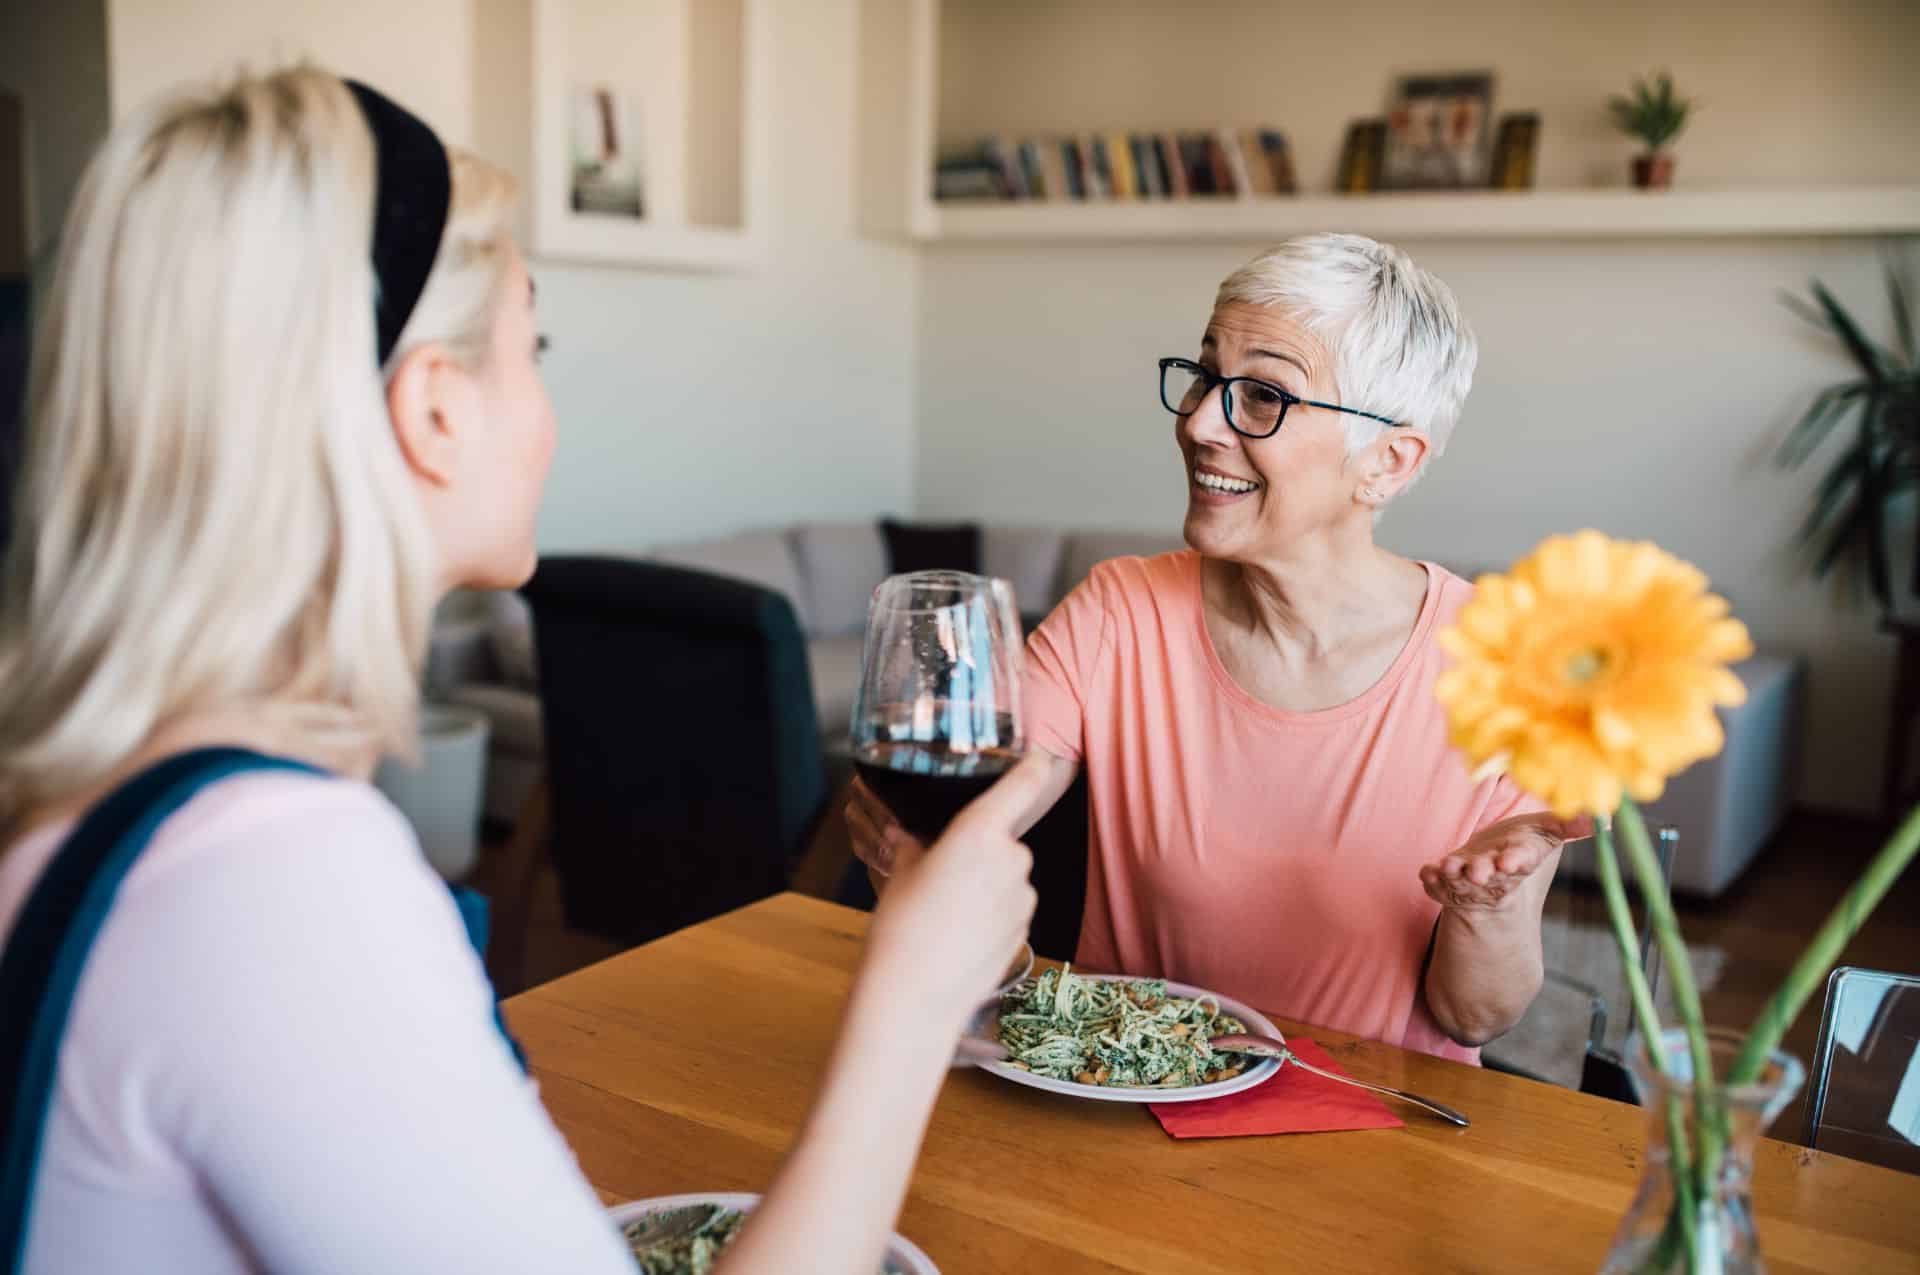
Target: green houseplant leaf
(1848,522)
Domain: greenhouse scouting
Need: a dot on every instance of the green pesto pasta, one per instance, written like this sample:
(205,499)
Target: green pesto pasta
(693,1254)
(1126,1032)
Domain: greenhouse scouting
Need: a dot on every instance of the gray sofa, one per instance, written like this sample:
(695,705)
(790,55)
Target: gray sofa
(482,652)
(482,657)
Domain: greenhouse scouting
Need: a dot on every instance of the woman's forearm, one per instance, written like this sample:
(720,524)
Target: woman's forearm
(1486,966)
(833,1202)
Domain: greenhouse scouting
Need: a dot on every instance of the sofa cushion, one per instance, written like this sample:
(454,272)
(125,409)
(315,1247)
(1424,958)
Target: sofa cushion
(1088,550)
(834,663)
(1029,559)
(841,563)
(764,558)
(931,546)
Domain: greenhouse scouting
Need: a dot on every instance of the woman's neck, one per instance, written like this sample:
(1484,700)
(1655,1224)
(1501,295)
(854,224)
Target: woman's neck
(1317,598)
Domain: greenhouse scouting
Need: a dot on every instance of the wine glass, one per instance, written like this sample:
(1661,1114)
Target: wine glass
(937,717)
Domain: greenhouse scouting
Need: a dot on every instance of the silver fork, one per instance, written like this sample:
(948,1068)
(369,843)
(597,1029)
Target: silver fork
(1272,1047)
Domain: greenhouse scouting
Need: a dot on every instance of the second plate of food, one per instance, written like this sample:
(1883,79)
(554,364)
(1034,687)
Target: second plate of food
(1111,1038)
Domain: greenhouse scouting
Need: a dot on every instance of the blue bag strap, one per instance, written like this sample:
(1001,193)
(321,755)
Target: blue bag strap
(55,930)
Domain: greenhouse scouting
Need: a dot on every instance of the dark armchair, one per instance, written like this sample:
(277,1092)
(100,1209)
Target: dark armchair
(684,765)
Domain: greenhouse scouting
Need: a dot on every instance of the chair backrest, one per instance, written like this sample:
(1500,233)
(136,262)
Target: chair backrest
(683,755)
(1863,1092)
(1060,846)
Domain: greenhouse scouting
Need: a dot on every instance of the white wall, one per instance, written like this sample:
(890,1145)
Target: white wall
(688,404)
(420,52)
(691,404)
(1636,387)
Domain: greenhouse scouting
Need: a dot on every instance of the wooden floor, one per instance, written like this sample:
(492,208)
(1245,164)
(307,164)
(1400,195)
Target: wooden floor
(1763,922)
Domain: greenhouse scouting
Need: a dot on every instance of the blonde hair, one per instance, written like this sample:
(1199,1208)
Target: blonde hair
(1400,345)
(214,511)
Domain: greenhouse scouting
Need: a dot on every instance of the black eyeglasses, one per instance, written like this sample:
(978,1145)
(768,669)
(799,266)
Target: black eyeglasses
(1254,408)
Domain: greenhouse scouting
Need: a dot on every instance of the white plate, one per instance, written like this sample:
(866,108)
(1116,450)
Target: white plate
(1257,1023)
(1016,972)
(901,1252)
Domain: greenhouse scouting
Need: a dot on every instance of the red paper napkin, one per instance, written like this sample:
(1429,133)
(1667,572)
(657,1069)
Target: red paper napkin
(1291,1101)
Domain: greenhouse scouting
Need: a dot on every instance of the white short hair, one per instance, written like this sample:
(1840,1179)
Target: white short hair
(214,509)
(1400,346)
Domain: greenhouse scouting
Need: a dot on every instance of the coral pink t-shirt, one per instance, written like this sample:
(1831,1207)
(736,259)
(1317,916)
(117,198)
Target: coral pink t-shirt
(1272,856)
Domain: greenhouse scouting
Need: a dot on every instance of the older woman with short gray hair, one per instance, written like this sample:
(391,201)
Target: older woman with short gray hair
(1276,812)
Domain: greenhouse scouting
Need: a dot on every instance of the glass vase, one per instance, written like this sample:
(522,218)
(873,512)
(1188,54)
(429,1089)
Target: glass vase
(1693,1213)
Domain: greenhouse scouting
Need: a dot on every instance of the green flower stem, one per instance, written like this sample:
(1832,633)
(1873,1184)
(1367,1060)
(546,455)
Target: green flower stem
(1614,890)
(1810,971)
(1710,1128)
(1666,934)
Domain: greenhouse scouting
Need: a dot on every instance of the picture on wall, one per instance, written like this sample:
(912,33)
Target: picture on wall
(1438,132)
(605,151)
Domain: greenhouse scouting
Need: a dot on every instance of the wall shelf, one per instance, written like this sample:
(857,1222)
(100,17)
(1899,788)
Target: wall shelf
(1547,214)
(900,99)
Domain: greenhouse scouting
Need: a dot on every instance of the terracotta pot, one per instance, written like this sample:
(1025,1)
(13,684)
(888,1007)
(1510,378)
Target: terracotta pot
(1654,171)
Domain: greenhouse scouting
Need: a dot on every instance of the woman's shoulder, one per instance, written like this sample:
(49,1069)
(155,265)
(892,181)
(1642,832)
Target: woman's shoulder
(1451,592)
(1118,584)
(241,824)
(281,816)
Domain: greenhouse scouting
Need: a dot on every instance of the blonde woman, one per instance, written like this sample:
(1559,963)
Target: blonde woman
(285,397)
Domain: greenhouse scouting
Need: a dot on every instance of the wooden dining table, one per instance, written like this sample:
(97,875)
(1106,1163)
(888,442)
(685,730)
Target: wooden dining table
(687,1065)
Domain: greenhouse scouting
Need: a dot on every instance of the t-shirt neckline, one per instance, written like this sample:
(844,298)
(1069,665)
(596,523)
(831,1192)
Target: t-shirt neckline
(1367,699)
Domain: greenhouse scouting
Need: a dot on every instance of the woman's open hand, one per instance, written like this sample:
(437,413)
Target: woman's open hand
(1486,874)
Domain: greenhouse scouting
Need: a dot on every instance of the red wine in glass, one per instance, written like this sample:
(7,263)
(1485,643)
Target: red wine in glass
(937,717)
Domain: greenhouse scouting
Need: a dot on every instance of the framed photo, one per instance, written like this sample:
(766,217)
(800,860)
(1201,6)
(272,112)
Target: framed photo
(605,174)
(1438,132)
(1514,148)
(1360,157)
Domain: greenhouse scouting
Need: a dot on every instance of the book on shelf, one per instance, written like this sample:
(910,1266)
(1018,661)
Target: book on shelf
(1168,158)
(1249,163)
(1000,153)
(1120,163)
(1252,162)
(1195,159)
(1223,183)
(1227,146)
(1152,185)
(1076,166)
(1273,145)
(1051,156)
(1101,184)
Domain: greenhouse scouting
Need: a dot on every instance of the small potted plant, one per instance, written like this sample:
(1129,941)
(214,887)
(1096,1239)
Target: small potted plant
(1655,116)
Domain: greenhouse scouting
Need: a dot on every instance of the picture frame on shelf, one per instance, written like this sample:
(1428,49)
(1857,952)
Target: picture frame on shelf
(606,174)
(1515,148)
(1360,157)
(1438,132)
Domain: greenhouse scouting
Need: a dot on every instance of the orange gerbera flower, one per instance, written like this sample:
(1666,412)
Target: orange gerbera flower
(1592,669)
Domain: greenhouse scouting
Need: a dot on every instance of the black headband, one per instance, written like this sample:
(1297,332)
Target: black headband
(413,189)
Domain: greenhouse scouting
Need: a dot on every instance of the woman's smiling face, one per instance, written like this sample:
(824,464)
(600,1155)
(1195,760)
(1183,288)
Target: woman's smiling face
(1252,498)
